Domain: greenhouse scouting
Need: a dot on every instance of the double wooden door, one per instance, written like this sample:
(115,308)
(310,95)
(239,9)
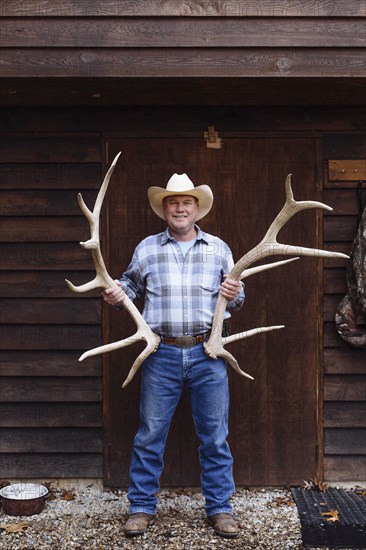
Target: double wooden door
(273,419)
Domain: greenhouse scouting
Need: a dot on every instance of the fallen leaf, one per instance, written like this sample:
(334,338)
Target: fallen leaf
(14,527)
(281,501)
(68,495)
(316,484)
(333,515)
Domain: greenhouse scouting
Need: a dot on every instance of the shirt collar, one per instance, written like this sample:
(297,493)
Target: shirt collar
(166,237)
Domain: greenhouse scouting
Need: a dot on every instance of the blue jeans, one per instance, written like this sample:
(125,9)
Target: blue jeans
(164,374)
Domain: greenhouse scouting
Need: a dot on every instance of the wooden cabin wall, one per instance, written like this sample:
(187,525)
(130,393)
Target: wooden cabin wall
(51,405)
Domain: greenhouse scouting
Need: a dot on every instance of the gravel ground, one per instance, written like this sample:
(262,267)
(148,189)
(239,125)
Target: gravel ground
(93,520)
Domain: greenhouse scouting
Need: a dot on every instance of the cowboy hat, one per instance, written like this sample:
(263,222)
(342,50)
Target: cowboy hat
(180,184)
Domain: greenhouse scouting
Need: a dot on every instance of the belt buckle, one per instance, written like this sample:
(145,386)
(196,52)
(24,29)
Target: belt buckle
(185,342)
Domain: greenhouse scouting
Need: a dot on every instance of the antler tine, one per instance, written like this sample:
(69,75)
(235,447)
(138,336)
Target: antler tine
(253,270)
(268,246)
(104,280)
(290,208)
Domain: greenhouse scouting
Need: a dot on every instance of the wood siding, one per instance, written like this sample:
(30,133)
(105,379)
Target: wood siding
(344,365)
(104,52)
(50,404)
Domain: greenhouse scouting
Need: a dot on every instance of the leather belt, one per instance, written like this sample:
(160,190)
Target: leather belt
(186,341)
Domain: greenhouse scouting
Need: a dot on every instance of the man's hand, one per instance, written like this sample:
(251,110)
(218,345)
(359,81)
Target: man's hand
(230,288)
(114,295)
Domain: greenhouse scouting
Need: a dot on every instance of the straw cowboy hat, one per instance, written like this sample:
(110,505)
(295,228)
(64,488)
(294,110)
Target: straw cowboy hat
(180,184)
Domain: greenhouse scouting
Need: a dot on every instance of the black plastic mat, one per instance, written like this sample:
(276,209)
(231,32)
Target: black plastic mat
(333,518)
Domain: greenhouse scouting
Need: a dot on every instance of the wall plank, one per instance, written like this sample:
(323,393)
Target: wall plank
(48,363)
(51,415)
(345,468)
(44,229)
(48,311)
(53,202)
(53,337)
(178,63)
(42,440)
(33,175)
(344,203)
(50,149)
(344,388)
(340,228)
(44,284)
(345,441)
(55,389)
(210,8)
(345,414)
(335,281)
(43,256)
(346,360)
(145,32)
(51,465)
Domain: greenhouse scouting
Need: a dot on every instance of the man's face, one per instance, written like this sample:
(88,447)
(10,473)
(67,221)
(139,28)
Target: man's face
(180,213)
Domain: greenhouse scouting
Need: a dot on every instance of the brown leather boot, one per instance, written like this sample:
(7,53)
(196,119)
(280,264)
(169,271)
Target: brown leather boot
(224,525)
(137,524)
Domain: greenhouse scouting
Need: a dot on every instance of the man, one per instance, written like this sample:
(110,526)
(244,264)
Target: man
(180,273)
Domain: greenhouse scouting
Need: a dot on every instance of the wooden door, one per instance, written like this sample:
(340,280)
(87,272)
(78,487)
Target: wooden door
(274,419)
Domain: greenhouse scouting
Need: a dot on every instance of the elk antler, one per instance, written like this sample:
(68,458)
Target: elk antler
(268,246)
(104,280)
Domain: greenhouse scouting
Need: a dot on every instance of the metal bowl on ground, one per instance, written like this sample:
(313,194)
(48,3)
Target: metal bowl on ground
(23,499)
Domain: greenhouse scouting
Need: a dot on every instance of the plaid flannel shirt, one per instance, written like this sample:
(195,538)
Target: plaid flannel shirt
(180,292)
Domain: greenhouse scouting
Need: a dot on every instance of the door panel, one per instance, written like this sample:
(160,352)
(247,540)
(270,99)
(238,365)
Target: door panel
(273,419)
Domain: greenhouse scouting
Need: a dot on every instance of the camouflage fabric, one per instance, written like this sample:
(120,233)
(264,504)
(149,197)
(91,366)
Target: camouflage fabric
(350,316)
